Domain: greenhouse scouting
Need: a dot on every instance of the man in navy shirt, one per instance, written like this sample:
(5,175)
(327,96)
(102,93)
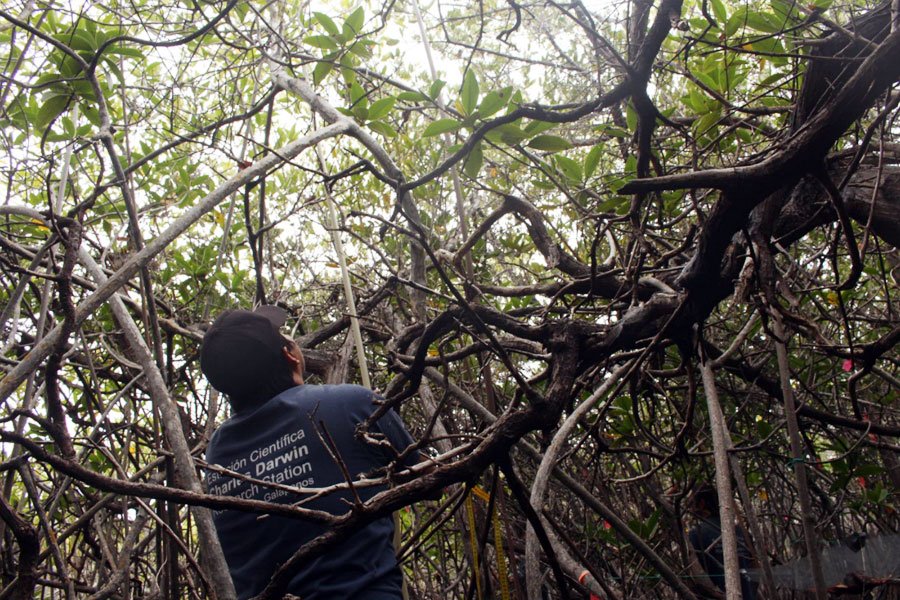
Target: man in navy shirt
(275,437)
(706,539)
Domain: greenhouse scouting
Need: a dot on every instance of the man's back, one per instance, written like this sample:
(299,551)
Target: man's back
(706,538)
(278,442)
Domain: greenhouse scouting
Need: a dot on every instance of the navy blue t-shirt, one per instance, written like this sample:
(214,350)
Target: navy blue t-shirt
(278,442)
(706,538)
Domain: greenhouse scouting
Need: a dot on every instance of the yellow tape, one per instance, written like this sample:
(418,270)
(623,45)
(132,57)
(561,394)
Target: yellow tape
(470,511)
(498,539)
(479,491)
(501,557)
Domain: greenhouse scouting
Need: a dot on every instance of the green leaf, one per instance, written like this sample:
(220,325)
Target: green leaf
(695,99)
(543,185)
(412,96)
(840,482)
(361,50)
(877,495)
(323,68)
(361,111)
(474,161)
(535,127)
(840,466)
(91,113)
(868,470)
(508,133)
(491,103)
(382,127)
(68,67)
(592,160)
(707,80)
(612,131)
(735,22)
(719,11)
(570,168)
(784,9)
(357,94)
(355,21)
(631,166)
(512,134)
(775,77)
(349,61)
(325,42)
(631,117)
(349,75)
(773,47)
(326,23)
(124,51)
(114,68)
(704,124)
(441,126)
(79,40)
(436,88)
(646,529)
(736,75)
(380,108)
(50,110)
(468,96)
(83,88)
(620,206)
(549,143)
(762,21)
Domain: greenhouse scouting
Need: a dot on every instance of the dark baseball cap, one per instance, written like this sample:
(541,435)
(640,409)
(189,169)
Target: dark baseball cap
(243,349)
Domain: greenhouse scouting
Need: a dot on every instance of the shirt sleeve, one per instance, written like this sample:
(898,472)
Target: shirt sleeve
(391,425)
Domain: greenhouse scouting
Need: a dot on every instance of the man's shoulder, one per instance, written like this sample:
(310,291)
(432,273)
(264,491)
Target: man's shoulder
(347,392)
(705,532)
(328,398)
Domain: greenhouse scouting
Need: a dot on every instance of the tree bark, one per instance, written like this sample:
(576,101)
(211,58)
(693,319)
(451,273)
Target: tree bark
(723,484)
(798,459)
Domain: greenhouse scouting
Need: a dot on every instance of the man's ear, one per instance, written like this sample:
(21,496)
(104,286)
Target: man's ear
(289,356)
(294,359)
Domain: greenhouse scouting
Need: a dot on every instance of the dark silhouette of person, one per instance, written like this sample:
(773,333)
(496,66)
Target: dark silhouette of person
(706,539)
(275,441)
